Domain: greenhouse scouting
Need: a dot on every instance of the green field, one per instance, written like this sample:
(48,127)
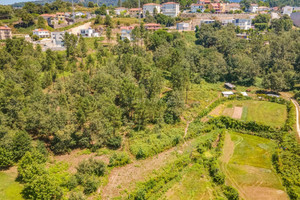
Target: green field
(9,189)
(268,113)
(246,161)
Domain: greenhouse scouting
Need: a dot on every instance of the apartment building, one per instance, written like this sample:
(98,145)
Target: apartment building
(170,9)
(150,7)
(41,33)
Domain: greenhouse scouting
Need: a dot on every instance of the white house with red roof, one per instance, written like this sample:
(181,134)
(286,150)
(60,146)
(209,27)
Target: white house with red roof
(152,26)
(126,32)
(5,33)
(170,9)
(41,33)
(150,7)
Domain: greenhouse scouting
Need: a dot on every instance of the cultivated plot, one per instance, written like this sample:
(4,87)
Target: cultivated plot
(246,161)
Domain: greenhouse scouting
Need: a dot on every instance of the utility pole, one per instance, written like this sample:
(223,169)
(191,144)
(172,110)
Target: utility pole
(139,12)
(73,12)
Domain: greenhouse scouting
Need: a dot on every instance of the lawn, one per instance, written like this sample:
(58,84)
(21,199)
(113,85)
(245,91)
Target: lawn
(125,21)
(264,112)
(247,163)
(9,189)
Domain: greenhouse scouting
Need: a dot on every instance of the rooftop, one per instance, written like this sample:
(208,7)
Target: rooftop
(151,4)
(135,9)
(170,3)
(126,27)
(40,30)
(4,28)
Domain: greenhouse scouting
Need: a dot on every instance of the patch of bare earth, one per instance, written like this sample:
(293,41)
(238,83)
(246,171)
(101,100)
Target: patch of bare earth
(237,112)
(125,178)
(74,158)
(264,193)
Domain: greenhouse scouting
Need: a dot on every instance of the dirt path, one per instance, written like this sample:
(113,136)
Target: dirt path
(125,178)
(297,116)
(76,29)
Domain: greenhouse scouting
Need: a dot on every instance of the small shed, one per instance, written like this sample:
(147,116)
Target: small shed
(227,93)
(244,94)
(229,86)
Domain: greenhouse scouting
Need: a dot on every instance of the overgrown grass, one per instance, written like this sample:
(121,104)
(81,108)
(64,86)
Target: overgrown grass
(125,21)
(9,188)
(153,141)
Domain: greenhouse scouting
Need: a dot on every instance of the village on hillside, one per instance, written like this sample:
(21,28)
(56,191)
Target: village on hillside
(170,17)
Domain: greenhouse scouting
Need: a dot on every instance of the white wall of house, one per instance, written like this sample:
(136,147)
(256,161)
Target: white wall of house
(170,9)
(244,24)
(150,8)
(41,33)
(196,7)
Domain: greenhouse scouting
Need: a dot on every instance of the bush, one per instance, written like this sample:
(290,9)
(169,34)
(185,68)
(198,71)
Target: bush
(42,187)
(92,167)
(76,196)
(91,185)
(119,159)
(6,158)
(231,193)
(114,142)
(72,183)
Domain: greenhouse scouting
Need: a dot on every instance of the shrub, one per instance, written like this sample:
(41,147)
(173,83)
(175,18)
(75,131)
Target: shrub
(92,167)
(42,187)
(72,183)
(119,159)
(91,185)
(77,196)
(6,158)
(114,142)
(231,193)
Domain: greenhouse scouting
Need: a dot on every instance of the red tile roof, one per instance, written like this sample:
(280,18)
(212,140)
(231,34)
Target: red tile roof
(170,3)
(152,24)
(4,28)
(151,4)
(135,9)
(39,30)
(119,8)
(127,27)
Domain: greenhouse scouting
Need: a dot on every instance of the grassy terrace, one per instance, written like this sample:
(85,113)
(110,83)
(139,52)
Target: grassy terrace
(268,113)
(246,161)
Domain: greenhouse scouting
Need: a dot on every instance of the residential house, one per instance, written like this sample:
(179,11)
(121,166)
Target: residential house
(229,86)
(207,21)
(195,7)
(41,33)
(226,21)
(135,12)
(57,38)
(79,14)
(60,16)
(89,32)
(150,7)
(47,16)
(287,10)
(120,10)
(296,18)
(215,7)
(244,94)
(203,2)
(126,32)
(244,24)
(263,8)
(5,33)
(170,9)
(183,26)
(253,8)
(152,26)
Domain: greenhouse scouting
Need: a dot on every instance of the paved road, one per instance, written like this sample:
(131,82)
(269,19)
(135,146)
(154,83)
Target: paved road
(297,116)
